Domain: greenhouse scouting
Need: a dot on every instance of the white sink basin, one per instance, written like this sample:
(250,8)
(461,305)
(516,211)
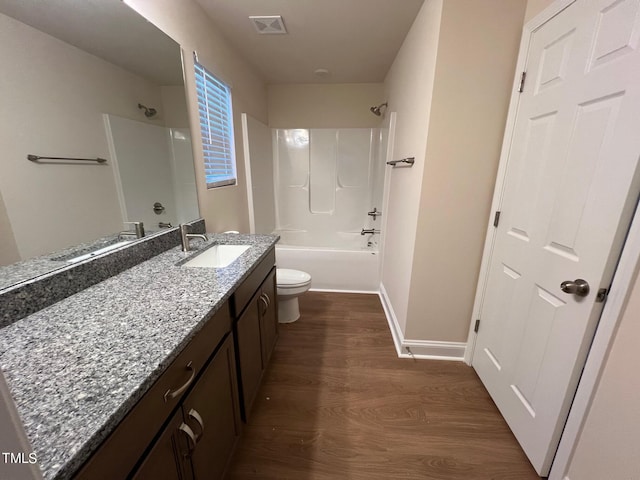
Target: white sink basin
(98,252)
(218,256)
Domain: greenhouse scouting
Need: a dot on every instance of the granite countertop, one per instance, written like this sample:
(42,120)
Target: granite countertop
(42,264)
(77,367)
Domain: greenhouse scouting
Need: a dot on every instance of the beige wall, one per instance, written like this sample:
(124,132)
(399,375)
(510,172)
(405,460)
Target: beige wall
(452,102)
(608,444)
(57,96)
(409,86)
(186,22)
(8,248)
(534,7)
(468,113)
(324,106)
(174,107)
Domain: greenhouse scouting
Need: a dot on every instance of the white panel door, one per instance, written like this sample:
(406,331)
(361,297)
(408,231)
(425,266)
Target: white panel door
(570,187)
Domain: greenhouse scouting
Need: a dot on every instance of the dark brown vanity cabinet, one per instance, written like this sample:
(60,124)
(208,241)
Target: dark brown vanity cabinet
(196,400)
(187,424)
(212,410)
(256,330)
(199,439)
(166,460)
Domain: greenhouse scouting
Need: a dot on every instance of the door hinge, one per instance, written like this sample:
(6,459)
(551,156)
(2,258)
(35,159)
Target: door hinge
(522,79)
(602,295)
(477,326)
(496,219)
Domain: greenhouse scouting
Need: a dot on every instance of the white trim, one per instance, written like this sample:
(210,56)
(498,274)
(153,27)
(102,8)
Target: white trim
(386,189)
(392,320)
(535,23)
(335,290)
(418,349)
(611,315)
(247,171)
(115,167)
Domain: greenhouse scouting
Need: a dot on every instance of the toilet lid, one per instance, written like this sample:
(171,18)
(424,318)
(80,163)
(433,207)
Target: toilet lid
(288,277)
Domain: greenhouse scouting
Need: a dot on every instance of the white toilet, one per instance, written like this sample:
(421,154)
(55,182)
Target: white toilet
(291,284)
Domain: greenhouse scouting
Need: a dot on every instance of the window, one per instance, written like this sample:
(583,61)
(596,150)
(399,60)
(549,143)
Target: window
(216,126)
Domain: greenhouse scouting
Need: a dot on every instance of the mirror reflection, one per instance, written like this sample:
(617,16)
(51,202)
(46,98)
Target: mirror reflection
(88,80)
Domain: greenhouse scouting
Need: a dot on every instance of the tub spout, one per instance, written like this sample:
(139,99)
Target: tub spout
(370,231)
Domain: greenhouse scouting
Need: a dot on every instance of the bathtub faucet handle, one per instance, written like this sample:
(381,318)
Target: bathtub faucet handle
(374,213)
(370,231)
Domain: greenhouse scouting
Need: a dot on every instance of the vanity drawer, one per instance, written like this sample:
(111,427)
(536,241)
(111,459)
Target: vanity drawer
(245,291)
(117,456)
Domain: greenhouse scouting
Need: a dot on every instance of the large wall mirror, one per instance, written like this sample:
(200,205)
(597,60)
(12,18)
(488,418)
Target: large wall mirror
(88,80)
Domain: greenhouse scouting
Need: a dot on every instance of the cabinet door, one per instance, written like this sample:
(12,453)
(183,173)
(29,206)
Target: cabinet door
(249,352)
(269,317)
(212,412)
(168,457)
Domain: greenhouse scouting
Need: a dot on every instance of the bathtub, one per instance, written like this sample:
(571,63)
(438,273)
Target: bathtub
(352,267)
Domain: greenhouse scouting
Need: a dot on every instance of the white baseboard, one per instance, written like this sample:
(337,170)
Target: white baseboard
(333,290)
(421,349)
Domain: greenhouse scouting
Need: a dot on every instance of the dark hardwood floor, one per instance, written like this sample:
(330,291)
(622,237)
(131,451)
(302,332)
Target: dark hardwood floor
(337,403)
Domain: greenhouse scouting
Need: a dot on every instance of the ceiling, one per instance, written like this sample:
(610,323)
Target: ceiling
(356,40)
(107,29)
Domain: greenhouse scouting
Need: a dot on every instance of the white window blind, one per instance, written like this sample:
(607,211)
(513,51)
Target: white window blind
(216,126)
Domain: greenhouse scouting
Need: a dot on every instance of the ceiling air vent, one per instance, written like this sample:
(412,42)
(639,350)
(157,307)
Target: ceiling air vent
(271,24)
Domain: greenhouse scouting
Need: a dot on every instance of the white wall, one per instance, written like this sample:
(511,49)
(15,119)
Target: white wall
(183,174)
(186,22)
(143,156)
(409,87)
(258,150)
(52,104)
(324,105)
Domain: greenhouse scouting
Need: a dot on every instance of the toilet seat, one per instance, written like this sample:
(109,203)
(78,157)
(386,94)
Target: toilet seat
(287,278)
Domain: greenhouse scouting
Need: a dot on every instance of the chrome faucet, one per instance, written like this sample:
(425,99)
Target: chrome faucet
(370,231)
(138,232)
(185,236)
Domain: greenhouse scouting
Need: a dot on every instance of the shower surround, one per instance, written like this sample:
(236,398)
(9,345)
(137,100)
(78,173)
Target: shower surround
(314,187)
(326,180)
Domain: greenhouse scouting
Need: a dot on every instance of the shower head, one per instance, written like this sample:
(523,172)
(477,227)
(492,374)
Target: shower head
(148,112)
(377,110)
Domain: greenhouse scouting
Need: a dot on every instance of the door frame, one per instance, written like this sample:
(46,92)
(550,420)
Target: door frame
(622,283)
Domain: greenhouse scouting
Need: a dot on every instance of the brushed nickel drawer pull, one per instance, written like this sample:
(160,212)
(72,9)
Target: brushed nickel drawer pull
(193,413)
(266,295)
(169,395)
(266,304)
(184,428)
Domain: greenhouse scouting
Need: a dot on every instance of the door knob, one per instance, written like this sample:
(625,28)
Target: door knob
(579,287)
